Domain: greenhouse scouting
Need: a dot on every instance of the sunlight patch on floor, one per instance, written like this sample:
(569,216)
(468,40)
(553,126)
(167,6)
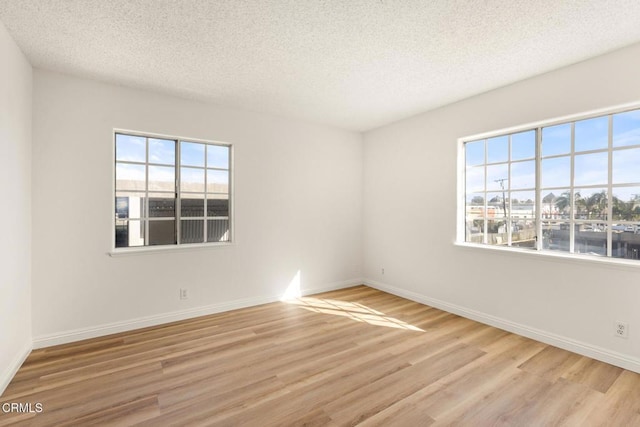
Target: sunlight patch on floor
(352,310)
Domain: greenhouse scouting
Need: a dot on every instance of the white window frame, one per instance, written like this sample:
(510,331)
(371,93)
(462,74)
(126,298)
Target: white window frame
(118,251)
(537,126)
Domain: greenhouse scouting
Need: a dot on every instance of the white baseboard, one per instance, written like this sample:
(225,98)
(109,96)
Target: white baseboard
(8,374)
(143,322)
(595,352)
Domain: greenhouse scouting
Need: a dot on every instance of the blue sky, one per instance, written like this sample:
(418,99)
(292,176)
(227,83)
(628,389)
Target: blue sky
(193,154)
(162,152)
(590,168)
(626,128)
(130,148)
(556,140)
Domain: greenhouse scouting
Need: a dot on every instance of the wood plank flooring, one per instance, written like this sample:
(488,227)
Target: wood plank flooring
(355,356)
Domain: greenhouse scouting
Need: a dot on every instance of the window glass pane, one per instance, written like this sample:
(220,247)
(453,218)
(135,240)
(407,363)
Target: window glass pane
(475,179)
(498,149)
(626,166)
(161,178)
(474,232)
(192,180)
(474,152)
(131,148)
(191,154)
(626,205)
(523,145)
(523,205)
(122,206)
(497,177)
(522,213)
(192,205)
(556,139)
(217,230)
(162,205)
(130,177)
(129,203)
(592,134)
(121,233)
(497,205)
(555,236)
(162,232)
(475,204)
(591,169)
(591,239)
(591,203)
(474,217)
(497,232)
(129,233)
(626,236)
(475,199)
(523,175)
(217,181)
(192,231)
(628,247)
(556,205)
(217,205)
(626,128)
(162,151)
(556,172)
(523,233)
(217,156)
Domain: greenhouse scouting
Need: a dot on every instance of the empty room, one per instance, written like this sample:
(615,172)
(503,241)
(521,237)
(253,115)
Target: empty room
(287,213)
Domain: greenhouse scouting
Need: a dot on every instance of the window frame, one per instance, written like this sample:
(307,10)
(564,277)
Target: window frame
(178,246)
(538,250)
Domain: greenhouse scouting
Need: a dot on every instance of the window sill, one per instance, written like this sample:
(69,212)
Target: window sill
(148,250)
(563,257)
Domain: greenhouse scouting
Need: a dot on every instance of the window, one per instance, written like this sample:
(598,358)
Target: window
(571,186)
(170,191)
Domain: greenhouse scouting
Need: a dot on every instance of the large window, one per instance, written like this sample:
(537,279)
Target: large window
(570,186)
(171,191)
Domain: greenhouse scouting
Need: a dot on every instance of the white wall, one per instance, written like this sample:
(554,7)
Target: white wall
(298,207)
(410,221)
(15,216)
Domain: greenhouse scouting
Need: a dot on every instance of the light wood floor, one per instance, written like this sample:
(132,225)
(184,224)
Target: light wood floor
(354,356)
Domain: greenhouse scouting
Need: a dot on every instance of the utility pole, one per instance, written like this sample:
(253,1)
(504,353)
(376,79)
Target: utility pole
(504,200)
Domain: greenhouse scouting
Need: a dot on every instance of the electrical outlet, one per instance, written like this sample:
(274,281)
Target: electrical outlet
(382,271)
(184,294)
(621,329)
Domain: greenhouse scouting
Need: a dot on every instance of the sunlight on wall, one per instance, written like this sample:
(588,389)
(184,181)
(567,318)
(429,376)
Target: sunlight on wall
(293,290)
(352,310)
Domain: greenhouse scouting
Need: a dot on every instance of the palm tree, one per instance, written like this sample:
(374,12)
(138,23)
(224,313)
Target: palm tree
(582,206)
(596,205)
(626,211)
(550,199)
(563,201)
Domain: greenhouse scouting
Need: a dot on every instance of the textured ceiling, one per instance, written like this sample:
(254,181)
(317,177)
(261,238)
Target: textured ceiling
(355,64)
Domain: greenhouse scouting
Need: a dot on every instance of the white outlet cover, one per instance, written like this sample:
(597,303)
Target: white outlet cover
(621,329)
